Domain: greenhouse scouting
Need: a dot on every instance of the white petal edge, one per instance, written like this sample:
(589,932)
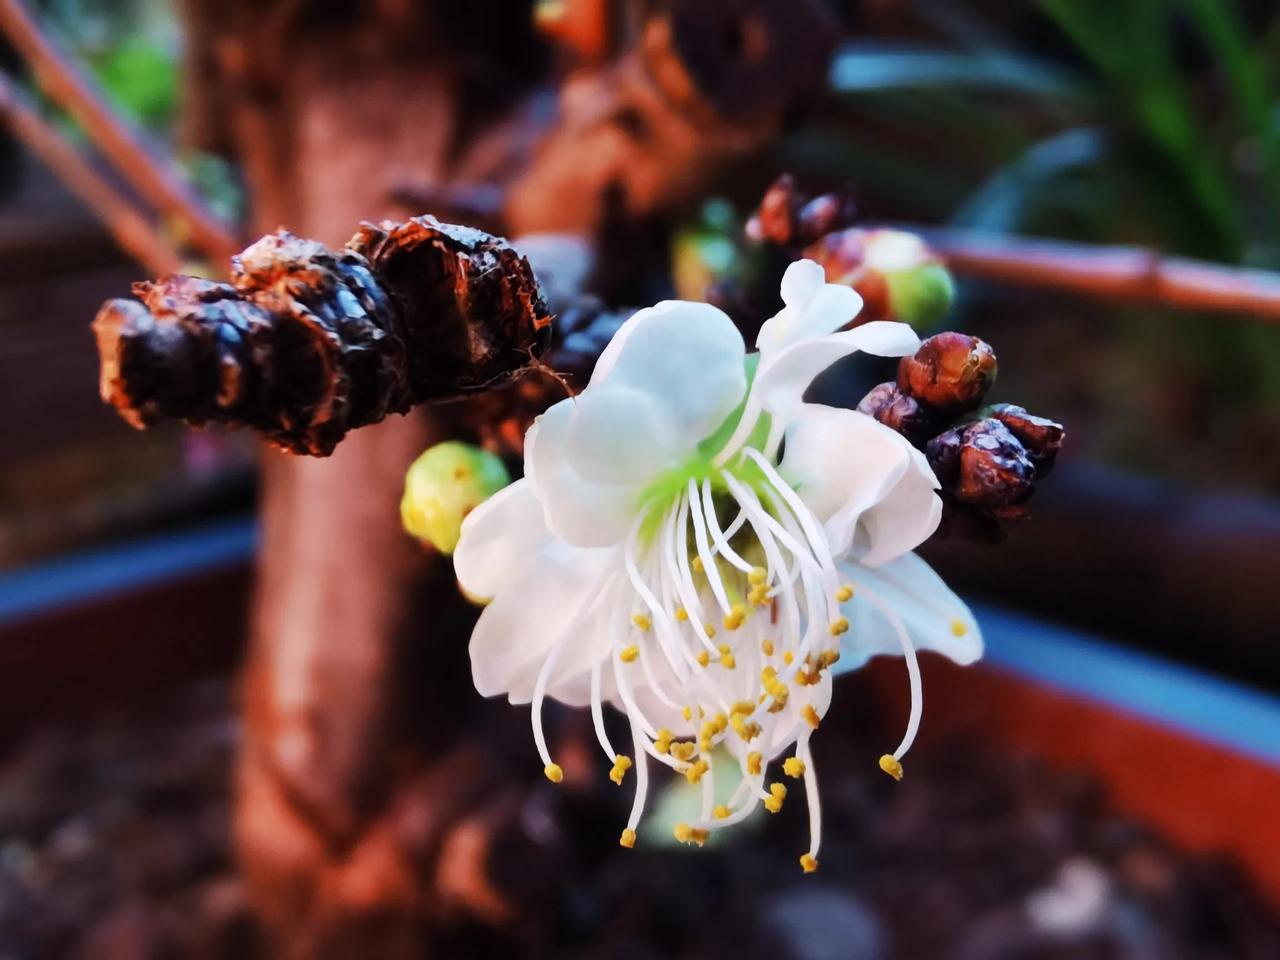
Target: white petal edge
(842,464)
(784,377)
(499,540)
(934,617)
(906,517)
(688,358)
(517,631)
(578,511)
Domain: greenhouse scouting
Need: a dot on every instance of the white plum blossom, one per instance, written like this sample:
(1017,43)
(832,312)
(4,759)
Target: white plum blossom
(663,556)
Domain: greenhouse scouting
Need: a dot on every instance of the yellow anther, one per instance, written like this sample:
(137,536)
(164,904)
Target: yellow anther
(703,658)
(709,729)
(780,701)
(839,625)
(809,863)
(807,678)
(738,611)
(662,746)
(621,764)
(759,595)
(744,707)
(704,744)
(629,654)
(721,722)
(827,657)
(694,773)
(709,630)
(747,731)
(688,713)
(721,812)
(665,734)
(682,614)
(642,621)
(890,765)
(753,763)
(628,838)
(788,657)
(553,772)
(958,628)
(687,834)
(766,646)
(793,767)
(725,649)
(728,661)
(756,575)
(777,793)
(845,593)
(811,716)
(682,749)
(696,564)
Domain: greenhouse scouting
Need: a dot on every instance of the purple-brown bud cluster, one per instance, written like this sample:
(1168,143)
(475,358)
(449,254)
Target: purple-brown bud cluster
(988,462)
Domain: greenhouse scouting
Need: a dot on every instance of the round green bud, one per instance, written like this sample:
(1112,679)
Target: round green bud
(920,296)
(446,483)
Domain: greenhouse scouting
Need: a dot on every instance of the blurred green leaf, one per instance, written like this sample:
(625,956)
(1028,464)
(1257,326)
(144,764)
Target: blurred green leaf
(141,77)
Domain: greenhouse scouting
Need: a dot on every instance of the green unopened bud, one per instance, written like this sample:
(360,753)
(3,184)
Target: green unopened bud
(920,296)
(445,484)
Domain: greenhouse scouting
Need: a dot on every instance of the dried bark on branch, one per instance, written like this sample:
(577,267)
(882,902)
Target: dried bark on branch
(127,225)
(64,82)
(306,343)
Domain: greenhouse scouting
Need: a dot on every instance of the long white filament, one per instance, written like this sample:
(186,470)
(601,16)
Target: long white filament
(913,668)
(659,607)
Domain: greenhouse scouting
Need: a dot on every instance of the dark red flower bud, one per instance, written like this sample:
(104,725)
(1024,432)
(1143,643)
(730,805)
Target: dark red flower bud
(897,411)
(1041,436)
(826,213)
(983,464)
(950,372)
(776,220)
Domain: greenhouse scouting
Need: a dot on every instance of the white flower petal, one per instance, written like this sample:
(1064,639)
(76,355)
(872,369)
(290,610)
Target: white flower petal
(619,437)
(934,617)
(801,282)
(499,540)
(785,375)
(688,358)
(843,463)
(517,631)
(577,510)
(812,308)
(905,518)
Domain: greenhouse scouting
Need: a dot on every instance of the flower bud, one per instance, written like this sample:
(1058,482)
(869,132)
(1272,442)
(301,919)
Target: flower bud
(775,220)
(446,483)
(889,405)
(1041,437)
(897,274)
(983,464)
(950,372)
(825,214)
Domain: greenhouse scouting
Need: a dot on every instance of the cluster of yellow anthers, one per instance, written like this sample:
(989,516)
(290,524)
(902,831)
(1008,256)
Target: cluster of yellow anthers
(755,692)
(690,752)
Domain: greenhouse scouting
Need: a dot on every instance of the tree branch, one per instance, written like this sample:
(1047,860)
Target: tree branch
(61,79)
(1109,273)
(131,229)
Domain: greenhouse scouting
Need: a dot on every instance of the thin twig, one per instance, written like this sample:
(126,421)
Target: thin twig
(131,229)
(1109,273)
(67,85)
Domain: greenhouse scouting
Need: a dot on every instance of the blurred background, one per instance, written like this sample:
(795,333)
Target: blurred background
(235,708)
